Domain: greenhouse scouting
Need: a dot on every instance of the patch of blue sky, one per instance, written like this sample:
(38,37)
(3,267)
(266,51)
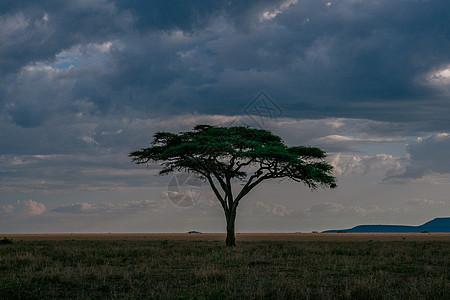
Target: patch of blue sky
(65,62)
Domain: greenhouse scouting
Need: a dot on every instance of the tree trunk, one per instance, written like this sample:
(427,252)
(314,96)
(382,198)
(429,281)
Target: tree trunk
(231,239)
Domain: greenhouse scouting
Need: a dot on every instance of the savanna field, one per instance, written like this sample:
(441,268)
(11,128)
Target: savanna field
(290,266)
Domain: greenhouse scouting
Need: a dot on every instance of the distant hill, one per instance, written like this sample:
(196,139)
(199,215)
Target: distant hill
(435,225)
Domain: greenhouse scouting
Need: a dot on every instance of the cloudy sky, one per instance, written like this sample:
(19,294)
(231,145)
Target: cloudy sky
(83,83)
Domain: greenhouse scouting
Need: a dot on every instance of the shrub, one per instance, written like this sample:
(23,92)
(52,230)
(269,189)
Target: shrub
(6,241)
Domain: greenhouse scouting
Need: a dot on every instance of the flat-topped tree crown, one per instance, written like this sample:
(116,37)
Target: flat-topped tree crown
(220,154)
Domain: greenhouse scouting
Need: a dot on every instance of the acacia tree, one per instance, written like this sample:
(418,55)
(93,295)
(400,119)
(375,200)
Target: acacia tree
(222,155)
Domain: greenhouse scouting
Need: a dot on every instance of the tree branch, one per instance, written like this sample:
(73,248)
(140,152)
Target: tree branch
(217,193)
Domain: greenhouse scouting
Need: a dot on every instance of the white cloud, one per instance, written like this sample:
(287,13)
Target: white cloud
(11,25)
(273,13)
(334,138)
(7,209)
(109,207)
(326,208)
(24,208)
(274,209)
(439,78)
(358,210)
(30,207)
(334,210)
(423,202)
(89,140)
(351,165)
(338,209)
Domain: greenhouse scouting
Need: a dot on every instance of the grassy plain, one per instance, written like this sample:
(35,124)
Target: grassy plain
(262,266)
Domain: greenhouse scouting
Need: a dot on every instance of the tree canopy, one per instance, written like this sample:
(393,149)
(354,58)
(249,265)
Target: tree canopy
(221,154)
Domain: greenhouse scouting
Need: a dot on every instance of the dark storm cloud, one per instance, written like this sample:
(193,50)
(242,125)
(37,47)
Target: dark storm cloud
(428,156)
(32,34)
(38,30)
(192,16)
(360,59)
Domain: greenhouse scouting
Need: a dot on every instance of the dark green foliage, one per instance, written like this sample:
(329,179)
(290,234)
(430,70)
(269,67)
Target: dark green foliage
(221,154)
(225,151)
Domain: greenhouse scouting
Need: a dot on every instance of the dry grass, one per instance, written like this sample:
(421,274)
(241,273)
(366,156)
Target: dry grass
(314,267)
